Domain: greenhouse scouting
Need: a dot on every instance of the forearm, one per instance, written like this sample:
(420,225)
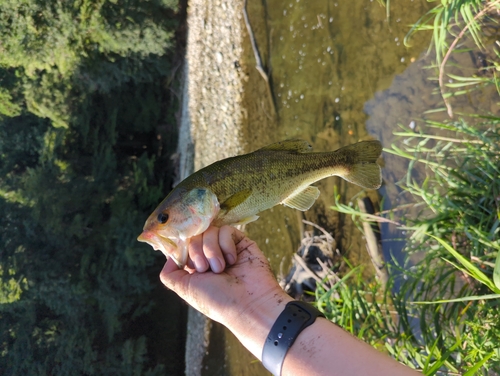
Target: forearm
(320,349)
(246,298)
(326,349)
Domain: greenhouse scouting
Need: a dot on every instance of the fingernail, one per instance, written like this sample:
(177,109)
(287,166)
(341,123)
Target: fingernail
(215,265)
(230,259)
(200,264)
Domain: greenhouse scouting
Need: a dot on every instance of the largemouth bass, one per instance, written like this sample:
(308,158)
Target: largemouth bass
(234,190)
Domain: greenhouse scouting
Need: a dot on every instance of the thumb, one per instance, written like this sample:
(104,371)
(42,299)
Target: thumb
(173,277)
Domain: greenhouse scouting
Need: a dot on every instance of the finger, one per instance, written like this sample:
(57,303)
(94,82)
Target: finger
(247,244)
(243,243)
(190,269)
(212,250)
(227,243)
(170,266)
(171,276)
(195,250)
(190,264)
(237,236)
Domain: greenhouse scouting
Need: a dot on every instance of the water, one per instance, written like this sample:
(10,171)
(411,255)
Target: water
(339,73)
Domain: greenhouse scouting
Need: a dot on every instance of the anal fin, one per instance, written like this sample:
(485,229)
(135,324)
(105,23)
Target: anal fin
(302,200)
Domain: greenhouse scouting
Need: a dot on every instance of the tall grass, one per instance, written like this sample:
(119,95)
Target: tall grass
(439,314)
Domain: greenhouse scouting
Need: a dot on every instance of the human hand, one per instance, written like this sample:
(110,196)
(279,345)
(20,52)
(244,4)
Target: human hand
(246,298)
(245,291)
(204,251)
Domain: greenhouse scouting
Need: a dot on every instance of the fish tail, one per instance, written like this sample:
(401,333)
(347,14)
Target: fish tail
(363,169)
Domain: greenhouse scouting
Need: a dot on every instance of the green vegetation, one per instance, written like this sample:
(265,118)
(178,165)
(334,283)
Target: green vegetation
(86,121)
(452,23)
(439,312)
(86,125)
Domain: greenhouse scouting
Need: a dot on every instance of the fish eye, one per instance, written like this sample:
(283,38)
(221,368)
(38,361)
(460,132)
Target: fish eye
(162,218)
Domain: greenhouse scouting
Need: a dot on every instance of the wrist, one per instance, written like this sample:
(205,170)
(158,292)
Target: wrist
(296,317)
(254,321)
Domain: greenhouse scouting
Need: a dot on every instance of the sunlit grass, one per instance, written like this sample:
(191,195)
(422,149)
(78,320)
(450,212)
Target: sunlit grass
(439,313)
(451,21)
(446,18)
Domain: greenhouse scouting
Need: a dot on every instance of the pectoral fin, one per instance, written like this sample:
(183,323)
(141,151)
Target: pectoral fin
(300,146)
(302,200)
(235,200)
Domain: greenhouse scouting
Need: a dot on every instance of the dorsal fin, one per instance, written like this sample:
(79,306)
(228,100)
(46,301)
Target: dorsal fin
(297,145)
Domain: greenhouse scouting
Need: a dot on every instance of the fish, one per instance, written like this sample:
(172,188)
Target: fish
(233,191)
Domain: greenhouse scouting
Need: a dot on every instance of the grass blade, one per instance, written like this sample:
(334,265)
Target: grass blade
(471,268)
(473,370)
(496,271)
(462,299)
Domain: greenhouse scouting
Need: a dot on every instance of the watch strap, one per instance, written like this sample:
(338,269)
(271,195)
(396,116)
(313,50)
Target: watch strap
(295,317)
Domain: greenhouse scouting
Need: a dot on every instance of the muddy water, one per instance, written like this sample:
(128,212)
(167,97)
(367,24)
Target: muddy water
(338,73)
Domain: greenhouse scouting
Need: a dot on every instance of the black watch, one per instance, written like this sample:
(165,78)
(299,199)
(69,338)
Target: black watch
(295,317)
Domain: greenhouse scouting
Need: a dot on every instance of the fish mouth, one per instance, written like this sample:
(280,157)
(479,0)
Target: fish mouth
(158,242)
(161,243)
